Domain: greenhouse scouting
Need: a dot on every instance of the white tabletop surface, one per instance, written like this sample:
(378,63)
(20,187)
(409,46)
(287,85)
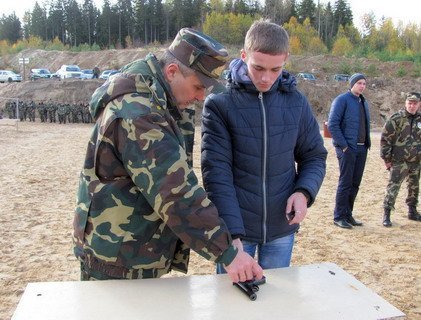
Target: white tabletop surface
(319,291)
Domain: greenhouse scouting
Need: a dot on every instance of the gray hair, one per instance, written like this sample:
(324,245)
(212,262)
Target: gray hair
(167,58)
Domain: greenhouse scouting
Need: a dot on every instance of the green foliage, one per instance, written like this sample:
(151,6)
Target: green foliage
(228,28)
(313,29)
(357,66)
(345,68)
(327,68)
(304,38)
(401,72)
(56,44)
(38,43)
(416,71)
(372,71)
(342,47)
(85,47)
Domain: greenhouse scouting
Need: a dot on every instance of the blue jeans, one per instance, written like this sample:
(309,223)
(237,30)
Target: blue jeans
(274,254)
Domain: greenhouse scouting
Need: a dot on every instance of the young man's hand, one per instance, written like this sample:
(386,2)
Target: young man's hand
(297,202)
(244,268)
(238,244)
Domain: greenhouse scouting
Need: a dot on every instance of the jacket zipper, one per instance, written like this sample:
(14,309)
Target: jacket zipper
(264,166)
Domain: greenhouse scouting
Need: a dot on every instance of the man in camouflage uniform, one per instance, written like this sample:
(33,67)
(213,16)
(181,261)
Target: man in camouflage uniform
(140,207)
(51,109)
(42,111)
(9,109)
(61,112)
(401,151)
(31,112)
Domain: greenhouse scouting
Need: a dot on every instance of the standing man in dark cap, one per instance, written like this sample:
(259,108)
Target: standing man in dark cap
(401,151)
(140,207)
(349,124)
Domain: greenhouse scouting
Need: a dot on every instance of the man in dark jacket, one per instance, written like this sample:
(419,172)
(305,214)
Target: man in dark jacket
(263,159)
(140,207)
(401,151)
(349,125)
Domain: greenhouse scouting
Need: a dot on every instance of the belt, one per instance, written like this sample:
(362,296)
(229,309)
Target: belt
(360,143)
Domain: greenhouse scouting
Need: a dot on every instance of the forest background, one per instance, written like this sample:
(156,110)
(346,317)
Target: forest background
(314,28)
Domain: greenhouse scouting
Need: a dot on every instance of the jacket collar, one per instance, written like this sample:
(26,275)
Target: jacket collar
(238,78)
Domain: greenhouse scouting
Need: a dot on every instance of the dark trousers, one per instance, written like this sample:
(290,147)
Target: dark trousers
(351,169)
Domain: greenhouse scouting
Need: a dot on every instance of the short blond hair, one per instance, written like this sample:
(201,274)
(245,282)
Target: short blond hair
(266,37)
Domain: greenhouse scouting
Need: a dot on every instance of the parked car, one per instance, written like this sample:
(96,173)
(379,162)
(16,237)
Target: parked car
(87,74)
(341,77)
(306,76)
(39,74)
(107,73)
(69,71)
(9,76)
(113,73)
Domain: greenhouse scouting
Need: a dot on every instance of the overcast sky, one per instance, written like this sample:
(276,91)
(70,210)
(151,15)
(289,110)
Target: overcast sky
(403,10)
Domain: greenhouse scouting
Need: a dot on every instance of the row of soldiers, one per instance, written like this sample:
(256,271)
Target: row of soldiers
(49,112)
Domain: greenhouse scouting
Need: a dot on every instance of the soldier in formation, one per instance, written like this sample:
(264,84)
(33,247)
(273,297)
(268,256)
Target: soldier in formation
(42,111)
(401,151)
(50,111)
(10,109)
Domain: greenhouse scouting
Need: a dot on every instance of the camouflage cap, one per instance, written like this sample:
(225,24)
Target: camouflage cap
(201,53)
(413,96)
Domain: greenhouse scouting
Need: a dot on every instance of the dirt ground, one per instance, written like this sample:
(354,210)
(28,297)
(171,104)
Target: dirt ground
(40,164)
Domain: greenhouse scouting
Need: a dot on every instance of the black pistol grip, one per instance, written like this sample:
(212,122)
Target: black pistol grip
(247,290)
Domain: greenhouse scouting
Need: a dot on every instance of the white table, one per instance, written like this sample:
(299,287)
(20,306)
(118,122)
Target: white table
(319,291)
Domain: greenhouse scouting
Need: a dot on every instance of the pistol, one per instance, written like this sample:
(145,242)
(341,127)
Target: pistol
(250,287)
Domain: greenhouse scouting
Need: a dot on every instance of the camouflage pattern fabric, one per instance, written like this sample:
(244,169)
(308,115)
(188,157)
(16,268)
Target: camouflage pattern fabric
(139,205)
(401,145)
(401,136)
(398,172)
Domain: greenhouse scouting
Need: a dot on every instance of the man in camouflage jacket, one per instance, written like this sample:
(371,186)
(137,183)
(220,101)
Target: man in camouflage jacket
(139,206)
(401,151)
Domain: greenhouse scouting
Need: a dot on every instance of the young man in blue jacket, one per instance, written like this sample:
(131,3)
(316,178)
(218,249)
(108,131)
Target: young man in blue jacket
(349,125)
(263,159)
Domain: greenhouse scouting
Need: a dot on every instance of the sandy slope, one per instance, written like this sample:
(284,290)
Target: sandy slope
(39,167)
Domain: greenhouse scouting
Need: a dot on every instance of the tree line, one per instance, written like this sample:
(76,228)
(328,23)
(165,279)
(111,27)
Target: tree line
(313,27)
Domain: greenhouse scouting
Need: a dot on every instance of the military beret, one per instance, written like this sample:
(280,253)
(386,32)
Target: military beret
(203,54)
(413,96)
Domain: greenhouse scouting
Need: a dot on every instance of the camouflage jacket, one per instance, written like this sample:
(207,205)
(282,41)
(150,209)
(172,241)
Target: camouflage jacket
(401,138)
(139,205)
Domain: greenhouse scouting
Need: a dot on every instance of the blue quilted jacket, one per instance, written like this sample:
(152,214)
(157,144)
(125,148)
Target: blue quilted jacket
(344,120)
(257,149)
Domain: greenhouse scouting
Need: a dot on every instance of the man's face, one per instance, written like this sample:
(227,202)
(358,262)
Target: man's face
(359,87)
(412,106)
(263,69)
(186,89)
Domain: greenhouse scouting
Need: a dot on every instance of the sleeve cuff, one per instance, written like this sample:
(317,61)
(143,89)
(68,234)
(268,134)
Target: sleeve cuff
(228,256)
(306,194)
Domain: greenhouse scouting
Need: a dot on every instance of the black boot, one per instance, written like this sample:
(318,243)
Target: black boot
(386,218)
(413,214)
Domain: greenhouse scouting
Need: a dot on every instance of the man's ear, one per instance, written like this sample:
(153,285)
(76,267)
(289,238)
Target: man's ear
(243,54)
(170,71)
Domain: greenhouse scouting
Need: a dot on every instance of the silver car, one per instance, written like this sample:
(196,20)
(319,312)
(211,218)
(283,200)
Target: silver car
(9,76)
